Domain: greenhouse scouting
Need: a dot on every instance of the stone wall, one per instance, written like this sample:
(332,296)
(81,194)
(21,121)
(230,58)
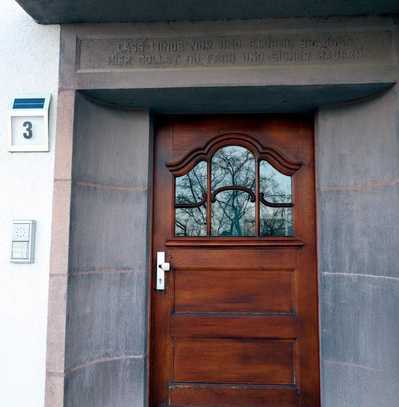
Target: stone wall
(358,199)
(105,350)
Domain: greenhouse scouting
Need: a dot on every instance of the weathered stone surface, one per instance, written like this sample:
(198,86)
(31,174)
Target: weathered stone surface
(106,316)
(112,147)
(255,49)
(252,53)
(351,385)
(361,147)
(54,390)
(359,231)
(64,140)
(106,326)
(58,281)
(358,199)
(361,311)
(108,229)
(113,383)
(58,286)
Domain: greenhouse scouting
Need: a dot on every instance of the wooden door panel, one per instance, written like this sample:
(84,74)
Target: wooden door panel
(255,258)
(237,324)
(238,361)
(210,325)
(234,290)
(183,395)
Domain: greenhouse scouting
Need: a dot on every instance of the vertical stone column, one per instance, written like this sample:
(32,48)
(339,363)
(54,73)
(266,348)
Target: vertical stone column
(102,360)
(357,158)
(58,281)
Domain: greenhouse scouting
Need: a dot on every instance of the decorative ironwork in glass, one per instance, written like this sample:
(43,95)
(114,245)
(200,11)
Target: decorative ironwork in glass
(191,202)
(244,194)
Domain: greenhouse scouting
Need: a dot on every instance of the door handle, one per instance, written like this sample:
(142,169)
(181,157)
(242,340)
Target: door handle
(162,267)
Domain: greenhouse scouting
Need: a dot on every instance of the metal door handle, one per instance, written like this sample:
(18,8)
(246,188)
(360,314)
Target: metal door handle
(162,267)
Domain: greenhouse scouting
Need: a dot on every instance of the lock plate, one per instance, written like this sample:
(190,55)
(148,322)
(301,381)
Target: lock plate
(162,267)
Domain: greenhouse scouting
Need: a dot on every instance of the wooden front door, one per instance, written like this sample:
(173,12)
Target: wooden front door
(234,211)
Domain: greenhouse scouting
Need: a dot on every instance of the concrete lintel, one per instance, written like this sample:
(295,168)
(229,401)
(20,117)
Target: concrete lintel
(258,53)
(239,99)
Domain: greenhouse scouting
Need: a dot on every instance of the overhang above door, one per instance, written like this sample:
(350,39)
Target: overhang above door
(93,11)
(235,99)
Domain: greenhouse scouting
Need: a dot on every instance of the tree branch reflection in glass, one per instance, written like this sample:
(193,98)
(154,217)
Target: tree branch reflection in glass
(233,192)
(190,203)
(233,197)
(276,201)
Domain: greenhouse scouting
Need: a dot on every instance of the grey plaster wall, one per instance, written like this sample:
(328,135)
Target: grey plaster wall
(358,217)
(105,348)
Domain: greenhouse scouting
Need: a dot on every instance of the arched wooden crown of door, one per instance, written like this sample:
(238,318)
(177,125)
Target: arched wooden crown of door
(233,187)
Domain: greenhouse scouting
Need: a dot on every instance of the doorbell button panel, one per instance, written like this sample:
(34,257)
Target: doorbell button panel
(23,241)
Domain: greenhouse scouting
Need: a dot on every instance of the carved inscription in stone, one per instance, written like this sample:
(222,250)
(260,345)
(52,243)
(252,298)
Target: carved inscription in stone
(233,50)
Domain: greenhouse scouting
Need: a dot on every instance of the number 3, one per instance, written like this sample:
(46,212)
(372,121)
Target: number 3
(28,127)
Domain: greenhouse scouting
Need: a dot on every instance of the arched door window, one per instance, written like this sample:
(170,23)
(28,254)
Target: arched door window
(235,191)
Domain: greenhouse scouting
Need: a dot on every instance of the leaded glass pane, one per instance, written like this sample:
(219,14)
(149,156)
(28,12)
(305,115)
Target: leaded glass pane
(275,221)
(233,192)
(190,202)
(275,190)
(233,165)
(275,186)
(233,214)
